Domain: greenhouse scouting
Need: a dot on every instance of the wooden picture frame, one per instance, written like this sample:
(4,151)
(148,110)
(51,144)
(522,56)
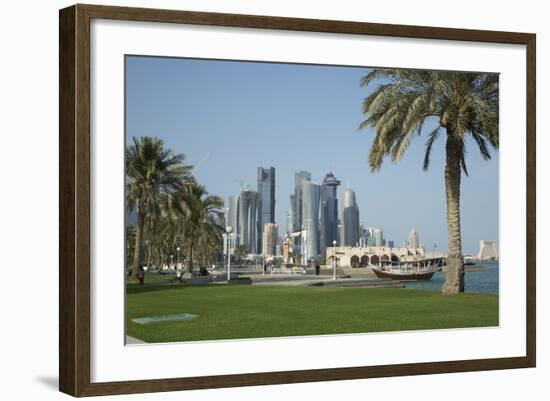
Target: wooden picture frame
(75,207)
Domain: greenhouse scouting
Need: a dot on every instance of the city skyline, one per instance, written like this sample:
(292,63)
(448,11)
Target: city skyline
(301,118)
(317,208)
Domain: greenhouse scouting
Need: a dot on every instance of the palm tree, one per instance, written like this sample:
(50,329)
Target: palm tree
(460,104)
(151,171)
(240,252)
(161,233)
(130,244)
(200,220)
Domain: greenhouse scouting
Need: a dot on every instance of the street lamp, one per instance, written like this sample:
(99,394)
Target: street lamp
(178,258)
(228,230)
(172,260)
(334,260)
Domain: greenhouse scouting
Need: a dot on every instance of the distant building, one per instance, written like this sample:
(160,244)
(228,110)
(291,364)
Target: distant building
(296,203)
(270,239)
(247,220)
(390,243)
(296,199)
(328,219)
(350,219)
(231,217)
(413,239)
(291,215)
(278,252)
(347,256)
(378,237)
(487,250)
(363,238)
(287,250)
(289,220)
(266,200)
(310,220)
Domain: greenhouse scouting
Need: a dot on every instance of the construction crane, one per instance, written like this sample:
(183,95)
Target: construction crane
(241,182)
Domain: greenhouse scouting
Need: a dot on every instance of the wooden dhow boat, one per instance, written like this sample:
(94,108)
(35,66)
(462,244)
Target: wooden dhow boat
(418,270)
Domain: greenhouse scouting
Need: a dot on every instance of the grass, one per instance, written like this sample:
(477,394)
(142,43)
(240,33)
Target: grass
(245,311)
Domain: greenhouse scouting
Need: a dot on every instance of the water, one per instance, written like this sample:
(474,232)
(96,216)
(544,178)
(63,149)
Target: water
(477,281)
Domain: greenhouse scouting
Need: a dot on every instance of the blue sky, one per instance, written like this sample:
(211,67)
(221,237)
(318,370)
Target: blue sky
(229,117)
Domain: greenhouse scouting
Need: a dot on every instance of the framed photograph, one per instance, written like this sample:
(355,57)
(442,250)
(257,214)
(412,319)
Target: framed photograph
(250,200)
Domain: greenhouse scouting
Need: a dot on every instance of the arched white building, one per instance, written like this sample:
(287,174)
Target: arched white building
(347,256)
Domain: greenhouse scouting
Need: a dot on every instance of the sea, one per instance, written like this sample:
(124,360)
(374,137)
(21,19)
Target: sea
(486,280)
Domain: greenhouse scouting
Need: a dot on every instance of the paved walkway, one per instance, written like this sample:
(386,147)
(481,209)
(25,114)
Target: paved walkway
(366,281)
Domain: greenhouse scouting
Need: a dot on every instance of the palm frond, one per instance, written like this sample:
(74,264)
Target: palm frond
(432,137)
(482,145)
(463,162)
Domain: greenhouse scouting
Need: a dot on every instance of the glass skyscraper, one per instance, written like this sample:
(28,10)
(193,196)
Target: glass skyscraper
(232,212)
(247,220)
(328,227)
(378,237)
(289,220)
(296,209)
(231,218)
(350,219)
(266,205)
(296,199)
(310,220)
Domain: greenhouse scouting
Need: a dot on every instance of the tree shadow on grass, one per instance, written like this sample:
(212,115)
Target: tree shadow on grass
(142,289)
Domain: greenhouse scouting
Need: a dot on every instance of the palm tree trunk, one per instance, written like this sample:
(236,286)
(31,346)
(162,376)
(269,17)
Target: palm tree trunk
(190,266)
(139,238)
(162,261)
(454,276)
(149,254)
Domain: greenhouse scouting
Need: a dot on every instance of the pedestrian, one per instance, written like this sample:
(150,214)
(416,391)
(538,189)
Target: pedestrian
(141,275)
(317,269)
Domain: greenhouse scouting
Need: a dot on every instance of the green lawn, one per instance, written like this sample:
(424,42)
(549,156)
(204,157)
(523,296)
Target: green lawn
(247,311)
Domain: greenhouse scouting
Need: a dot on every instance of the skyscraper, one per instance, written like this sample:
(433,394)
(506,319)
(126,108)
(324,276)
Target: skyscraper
(289,224)
(378,237)
(310,220)
(413,239)
(350,219)
(296,207)
(247,220)
(266,192)
(291,215)
(231,218)
(328,227)
(232,212)
(299,177)
(270,239)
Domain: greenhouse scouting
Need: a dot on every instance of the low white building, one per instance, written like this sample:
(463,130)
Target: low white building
(347,256)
